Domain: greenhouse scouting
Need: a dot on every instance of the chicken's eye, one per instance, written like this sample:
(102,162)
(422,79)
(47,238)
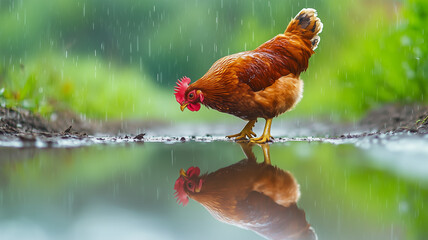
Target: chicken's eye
(191,95)
(190,185)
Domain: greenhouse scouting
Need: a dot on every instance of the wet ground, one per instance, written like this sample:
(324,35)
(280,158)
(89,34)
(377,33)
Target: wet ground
(20,128)
(354,183)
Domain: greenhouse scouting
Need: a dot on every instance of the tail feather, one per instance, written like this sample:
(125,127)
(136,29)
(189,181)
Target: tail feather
(306,24)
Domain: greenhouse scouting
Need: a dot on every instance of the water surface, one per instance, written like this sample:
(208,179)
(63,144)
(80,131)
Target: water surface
(348,191)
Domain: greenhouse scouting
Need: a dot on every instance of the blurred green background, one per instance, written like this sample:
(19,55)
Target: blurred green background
(120,59)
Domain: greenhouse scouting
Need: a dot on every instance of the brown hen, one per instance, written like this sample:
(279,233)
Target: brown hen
(262,83)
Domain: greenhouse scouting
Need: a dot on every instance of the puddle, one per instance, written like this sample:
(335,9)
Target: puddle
(126,190)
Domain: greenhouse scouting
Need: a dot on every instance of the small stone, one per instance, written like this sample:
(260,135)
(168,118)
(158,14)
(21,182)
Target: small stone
(140,136)
(68,130)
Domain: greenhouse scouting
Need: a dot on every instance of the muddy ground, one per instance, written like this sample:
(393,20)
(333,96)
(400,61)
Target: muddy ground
(21,128)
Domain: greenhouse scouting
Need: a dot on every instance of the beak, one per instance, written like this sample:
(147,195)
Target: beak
(183,173)
(183,106)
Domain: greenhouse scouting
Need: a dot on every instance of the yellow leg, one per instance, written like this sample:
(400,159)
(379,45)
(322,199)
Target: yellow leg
(266,133)
(247,148)
(246,132)
(266,153)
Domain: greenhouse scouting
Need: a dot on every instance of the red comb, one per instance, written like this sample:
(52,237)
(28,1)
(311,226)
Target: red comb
(180,89)
(180,194)
(193,171)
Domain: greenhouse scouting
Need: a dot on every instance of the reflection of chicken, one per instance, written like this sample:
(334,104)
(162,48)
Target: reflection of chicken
(262,83)
(251,195)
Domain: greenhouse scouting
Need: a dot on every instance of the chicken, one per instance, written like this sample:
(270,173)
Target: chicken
(262,83)
(250,195)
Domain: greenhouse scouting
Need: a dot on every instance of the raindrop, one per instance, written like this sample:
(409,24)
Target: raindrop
(157,193)
(70,201)
(216,21)
(150,48)
(115,189)
(25,17)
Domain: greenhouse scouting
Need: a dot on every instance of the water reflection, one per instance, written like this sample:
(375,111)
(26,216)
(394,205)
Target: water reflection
(255,196)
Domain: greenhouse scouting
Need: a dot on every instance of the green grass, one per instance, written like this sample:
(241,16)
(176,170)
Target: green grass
(90,86)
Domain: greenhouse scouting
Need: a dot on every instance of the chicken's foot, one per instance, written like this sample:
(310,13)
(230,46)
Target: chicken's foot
(266,133)
(246,132)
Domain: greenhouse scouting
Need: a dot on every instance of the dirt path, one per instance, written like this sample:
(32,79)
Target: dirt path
(20,128)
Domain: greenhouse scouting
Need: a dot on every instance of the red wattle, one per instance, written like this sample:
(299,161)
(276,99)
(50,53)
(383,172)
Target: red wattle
(194,107)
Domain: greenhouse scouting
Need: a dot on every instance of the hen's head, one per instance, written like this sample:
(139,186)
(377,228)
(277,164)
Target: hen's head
(189,182)
(190,98)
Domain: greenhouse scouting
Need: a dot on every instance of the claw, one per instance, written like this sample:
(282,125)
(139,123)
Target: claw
(234,135)
(266,137)
(241,137)
(247,132)
(262,139)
